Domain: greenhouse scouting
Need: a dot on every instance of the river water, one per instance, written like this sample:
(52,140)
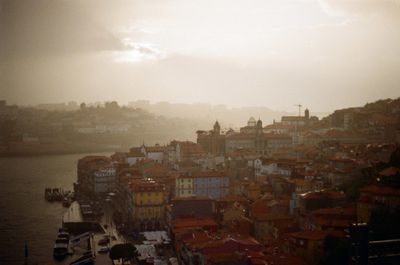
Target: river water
(24,213)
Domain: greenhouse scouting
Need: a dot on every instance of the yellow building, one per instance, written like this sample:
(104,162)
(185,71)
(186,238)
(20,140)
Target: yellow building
(147,204)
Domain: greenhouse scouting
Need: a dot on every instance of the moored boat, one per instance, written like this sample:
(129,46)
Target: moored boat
(61,244)
(60,249)
(66,201)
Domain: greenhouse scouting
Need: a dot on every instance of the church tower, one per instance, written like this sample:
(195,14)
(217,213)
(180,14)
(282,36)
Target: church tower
(307,114)
(217,128)
(215,139)
(259,141)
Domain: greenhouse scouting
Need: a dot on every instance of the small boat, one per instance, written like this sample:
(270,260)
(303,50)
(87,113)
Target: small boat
(61,244)
(57,194)
(60,249)
(66,202)
(63,235)
(48,195)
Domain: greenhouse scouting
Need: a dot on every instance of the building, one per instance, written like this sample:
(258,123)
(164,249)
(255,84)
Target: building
(320,199)
(297,121)
(331,219)
(197,207)
(213,184)
(134,155)
(187,150)
(228,250)
(156,153)
(145,201)
(213,141)
(309,245)
(373,197)
(96,176)
(250,137)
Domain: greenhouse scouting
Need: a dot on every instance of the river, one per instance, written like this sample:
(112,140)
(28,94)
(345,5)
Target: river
(24,214)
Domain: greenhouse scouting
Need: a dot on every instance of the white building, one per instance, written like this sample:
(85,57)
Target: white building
(104,180)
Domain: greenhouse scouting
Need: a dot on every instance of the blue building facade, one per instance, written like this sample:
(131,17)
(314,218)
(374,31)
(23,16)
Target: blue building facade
(212,185)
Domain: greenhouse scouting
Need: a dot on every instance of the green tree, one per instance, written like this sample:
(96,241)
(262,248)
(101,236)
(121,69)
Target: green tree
(122,251)
(336,251)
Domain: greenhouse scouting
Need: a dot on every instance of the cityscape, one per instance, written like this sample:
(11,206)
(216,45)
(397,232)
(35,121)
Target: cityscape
(300,190)
(143,132)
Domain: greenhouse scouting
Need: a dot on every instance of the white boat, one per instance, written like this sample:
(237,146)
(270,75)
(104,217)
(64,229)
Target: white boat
(60,249)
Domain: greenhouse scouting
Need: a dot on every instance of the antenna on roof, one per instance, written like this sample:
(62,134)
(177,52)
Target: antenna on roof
(299,105)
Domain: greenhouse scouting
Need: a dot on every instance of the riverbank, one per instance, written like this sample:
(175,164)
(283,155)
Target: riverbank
(26,215)
(30,153)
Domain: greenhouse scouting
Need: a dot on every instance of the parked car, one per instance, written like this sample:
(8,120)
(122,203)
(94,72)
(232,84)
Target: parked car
(103,250)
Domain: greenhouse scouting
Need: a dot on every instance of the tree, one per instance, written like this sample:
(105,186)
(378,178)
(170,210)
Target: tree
(82,106)
(395,158)
(336,251)
(122,251)
(384,222)
(113,105)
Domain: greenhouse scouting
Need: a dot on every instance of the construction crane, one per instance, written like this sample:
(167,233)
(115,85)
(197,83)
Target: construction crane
(299,106)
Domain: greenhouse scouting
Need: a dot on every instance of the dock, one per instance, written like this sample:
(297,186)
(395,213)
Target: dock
(58,194)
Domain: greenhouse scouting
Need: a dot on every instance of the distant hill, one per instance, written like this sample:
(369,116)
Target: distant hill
(383,113)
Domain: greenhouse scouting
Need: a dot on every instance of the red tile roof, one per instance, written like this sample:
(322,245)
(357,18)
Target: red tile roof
(180,224)
(315,235)
(323,194)
(155,149)
(378,190)
(192,198)
(204,174)
(390,171)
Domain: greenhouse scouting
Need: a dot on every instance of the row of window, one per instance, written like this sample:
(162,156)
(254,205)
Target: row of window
(156,194)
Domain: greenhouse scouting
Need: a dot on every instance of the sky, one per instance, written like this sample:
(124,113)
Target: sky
(323,54)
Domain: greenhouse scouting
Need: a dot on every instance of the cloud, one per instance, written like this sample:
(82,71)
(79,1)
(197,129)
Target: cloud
(360,7)
(138,52)
(41,27)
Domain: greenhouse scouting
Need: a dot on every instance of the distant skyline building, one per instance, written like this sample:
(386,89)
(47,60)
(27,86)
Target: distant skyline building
(255,137)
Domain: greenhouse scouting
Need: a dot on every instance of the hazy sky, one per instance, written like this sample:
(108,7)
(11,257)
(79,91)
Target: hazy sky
(323,54)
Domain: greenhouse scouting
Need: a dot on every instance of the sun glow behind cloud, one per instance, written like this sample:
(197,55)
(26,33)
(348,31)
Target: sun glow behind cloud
(137,52)
(228,29)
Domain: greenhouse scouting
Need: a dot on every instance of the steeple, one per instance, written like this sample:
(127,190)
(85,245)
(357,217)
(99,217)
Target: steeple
(217,127)
(259,123)
(307,114)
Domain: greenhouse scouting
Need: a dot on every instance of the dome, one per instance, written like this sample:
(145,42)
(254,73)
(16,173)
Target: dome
(251,122)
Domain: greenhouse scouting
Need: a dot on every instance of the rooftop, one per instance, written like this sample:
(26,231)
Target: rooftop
(379,190)
(315,235)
